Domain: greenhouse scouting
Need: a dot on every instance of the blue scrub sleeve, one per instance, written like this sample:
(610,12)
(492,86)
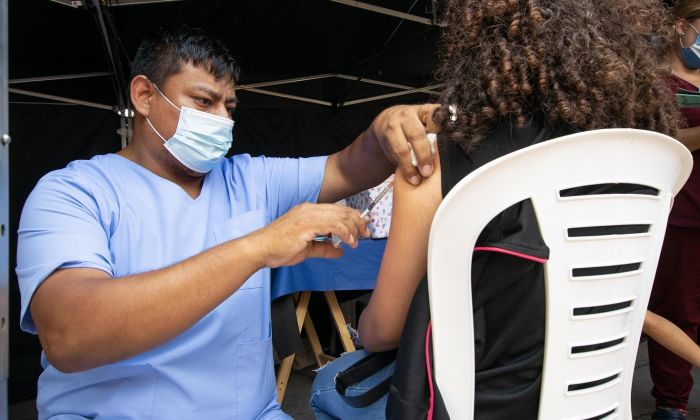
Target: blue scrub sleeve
(292,181)
(60,227)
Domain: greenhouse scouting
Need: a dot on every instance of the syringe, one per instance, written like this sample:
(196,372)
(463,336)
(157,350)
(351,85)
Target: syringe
(432,139)
(336,240)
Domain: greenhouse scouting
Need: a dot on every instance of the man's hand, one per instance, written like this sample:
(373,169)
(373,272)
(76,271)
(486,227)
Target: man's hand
(290,239)
(400,126)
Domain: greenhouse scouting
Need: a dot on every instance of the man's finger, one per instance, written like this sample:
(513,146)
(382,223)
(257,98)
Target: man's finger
(422,157)
(409,171)
(324,250)
(425,113)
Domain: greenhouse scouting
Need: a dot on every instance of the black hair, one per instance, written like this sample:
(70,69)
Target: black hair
(162,55)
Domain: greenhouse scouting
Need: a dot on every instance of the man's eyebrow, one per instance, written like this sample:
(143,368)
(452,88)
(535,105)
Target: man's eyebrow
(212,93)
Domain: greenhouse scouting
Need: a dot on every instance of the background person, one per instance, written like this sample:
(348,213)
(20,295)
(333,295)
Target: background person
(676,292)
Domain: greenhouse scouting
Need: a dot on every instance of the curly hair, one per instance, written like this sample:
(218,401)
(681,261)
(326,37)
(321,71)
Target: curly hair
(585,64)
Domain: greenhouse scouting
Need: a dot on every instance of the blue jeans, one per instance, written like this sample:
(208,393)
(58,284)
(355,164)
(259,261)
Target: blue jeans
(327,404)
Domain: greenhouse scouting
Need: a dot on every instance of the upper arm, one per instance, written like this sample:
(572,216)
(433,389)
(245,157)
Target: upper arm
(58,291)
(405,256)
(59,228)
(334,186)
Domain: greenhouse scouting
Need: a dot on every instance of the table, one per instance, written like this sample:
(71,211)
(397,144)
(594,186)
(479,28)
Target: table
(357,269)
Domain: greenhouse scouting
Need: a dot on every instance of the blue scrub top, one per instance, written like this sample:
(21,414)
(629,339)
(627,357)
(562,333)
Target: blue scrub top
(111,214)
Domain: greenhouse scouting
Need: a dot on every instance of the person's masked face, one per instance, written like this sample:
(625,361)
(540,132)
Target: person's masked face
(691,53)
(201,138)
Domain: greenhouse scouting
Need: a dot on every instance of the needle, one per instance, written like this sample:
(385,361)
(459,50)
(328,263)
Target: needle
(377,199)
(336,240)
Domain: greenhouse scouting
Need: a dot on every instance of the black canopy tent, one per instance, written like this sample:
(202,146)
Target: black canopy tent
(315,73)
(332,53)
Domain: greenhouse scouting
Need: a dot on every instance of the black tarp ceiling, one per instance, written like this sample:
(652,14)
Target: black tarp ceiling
(272,39)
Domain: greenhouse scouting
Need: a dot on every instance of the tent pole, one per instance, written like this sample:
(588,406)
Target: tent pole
(4,210)
(60,99)
(58,77)
(326,76)
(385,11)
(110,43)
(79,3)
(125,130)
(388,84)
(392,95)
(294,97)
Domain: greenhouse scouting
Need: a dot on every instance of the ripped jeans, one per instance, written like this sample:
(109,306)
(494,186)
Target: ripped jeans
(327,404)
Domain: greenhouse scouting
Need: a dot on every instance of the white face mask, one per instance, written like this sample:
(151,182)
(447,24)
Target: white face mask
(200,140)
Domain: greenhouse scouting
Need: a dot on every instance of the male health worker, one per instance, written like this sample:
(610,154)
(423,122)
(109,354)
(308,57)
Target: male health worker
(145,273)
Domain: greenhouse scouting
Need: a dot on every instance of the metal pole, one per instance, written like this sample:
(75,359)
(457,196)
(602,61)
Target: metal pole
(392,95)
(385,11)
(60,98)
(293,97)
(59,77)
(4,210)
(79,3)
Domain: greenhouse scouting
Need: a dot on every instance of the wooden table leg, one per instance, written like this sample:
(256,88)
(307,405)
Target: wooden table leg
(339,320)
(285,368)
(304,321)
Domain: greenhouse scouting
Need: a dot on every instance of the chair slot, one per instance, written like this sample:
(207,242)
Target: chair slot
(601,309)
(607,230)
(592,384)
(602,189)
(605,270)
(597,346)
(602,416)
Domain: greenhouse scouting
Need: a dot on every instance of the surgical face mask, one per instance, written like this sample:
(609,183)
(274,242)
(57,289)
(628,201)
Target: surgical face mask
(200,140)
(691,54)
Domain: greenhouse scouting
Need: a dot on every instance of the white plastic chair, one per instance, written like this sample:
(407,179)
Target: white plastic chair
(577,384)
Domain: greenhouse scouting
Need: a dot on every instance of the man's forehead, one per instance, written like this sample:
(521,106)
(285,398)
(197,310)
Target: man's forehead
(197,77)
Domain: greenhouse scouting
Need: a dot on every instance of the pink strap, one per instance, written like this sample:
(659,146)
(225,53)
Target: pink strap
(513,253)
(430,376)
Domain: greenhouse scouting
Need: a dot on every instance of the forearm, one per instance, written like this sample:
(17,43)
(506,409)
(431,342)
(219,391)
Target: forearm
(690,137)
(112,319)
(673,338)
(382,322)
(359,166)
(404,263)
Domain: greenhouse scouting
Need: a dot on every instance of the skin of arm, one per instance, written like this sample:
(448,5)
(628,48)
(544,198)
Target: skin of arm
(86,319)
(690,137)
(404,262)
(670,336)
(375,153)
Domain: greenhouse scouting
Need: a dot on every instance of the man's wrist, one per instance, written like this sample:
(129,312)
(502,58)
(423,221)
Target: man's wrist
(251,248)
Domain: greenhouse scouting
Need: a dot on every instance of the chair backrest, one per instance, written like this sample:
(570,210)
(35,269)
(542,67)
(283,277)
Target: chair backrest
(593,320)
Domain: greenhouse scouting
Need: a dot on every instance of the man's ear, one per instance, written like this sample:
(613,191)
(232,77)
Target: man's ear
(142,92)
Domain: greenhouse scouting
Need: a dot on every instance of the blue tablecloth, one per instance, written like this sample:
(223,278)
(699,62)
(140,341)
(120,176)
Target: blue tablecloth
(356,270)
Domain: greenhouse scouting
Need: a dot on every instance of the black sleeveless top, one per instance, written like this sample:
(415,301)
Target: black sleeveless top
(508,301)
